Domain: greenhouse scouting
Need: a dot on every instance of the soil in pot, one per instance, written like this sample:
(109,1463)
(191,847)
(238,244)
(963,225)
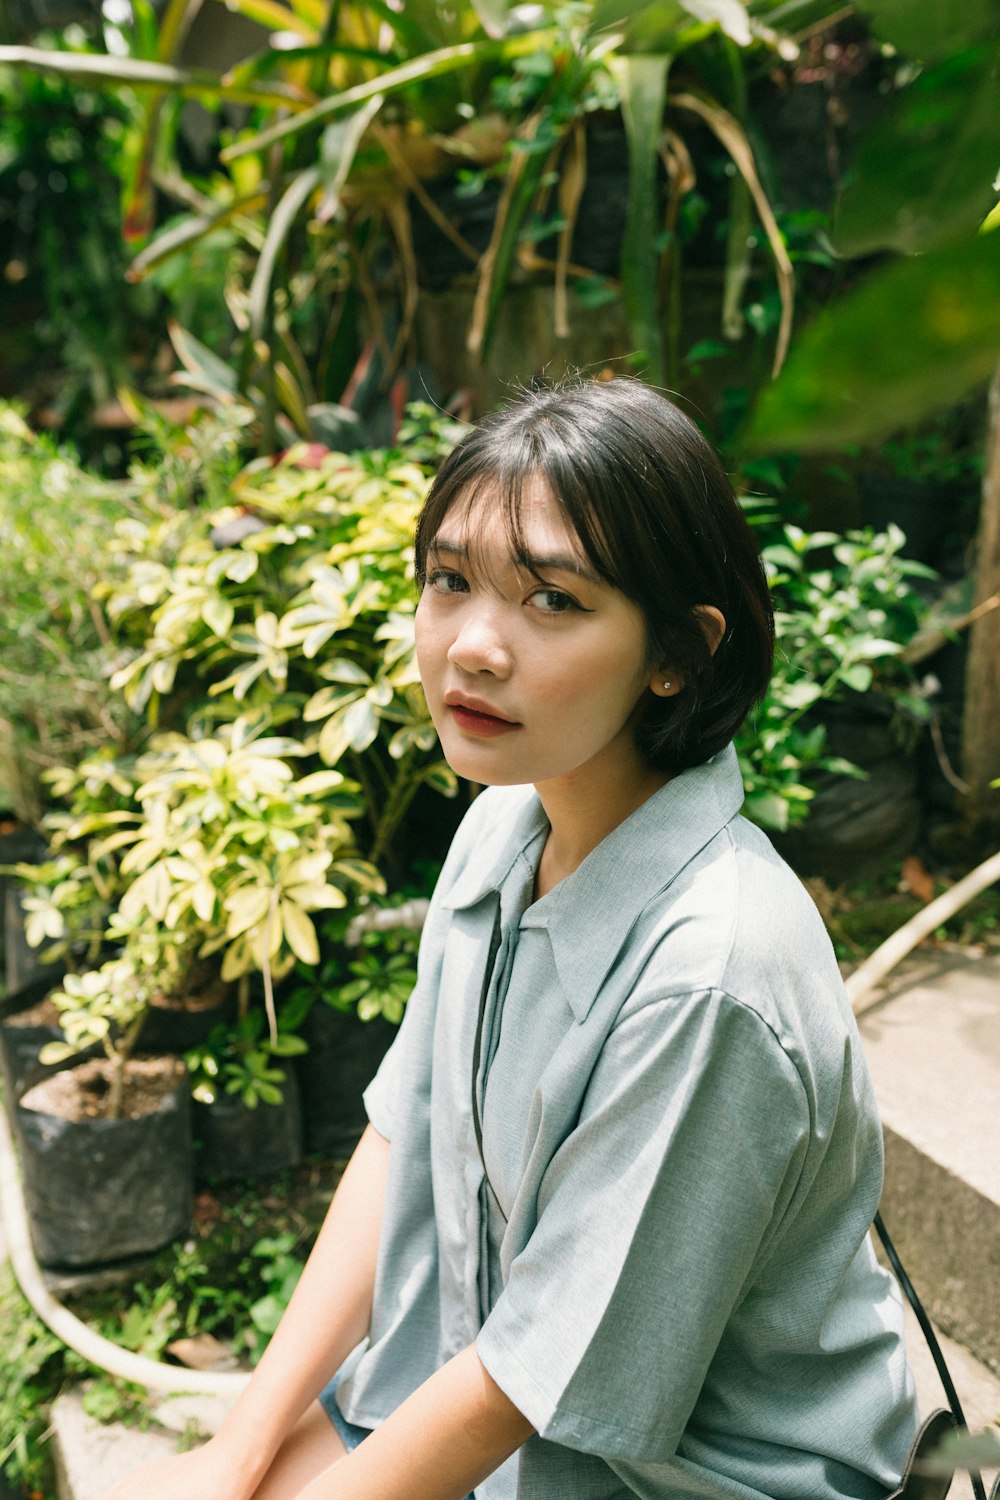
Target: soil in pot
(234,1142)
(343,1058)
(100,1190)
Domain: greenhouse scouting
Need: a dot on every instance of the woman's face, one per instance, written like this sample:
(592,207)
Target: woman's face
(529,676)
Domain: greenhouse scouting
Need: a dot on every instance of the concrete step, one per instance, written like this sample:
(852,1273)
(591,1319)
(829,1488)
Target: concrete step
(933,1046)
(978,1390)
(91,1456)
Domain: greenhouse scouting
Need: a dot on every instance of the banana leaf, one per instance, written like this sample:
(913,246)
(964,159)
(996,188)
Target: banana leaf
(924,174)
(928,29)
(914,339)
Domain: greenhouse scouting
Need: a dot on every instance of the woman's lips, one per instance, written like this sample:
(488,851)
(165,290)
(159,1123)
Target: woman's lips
(476,722)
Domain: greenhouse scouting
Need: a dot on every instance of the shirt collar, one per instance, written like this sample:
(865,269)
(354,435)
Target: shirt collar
(634,863)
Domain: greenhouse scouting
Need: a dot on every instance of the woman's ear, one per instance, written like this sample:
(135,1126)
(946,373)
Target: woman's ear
(713,624)
(665,681)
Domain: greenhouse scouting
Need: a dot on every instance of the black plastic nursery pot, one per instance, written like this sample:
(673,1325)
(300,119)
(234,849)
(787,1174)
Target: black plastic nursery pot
(177,1028)
(234,1142)
(100,1190)
(22,1037)
(858,825)
(343,1058)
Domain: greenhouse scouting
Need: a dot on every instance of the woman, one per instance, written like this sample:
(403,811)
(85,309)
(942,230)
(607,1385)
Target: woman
(606,1234)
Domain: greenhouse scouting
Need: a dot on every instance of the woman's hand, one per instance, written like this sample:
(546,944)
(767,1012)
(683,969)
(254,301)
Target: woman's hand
(208,1472)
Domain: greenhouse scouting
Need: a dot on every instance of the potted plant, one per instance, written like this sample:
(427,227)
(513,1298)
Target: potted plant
(247,1110)
(351,1003)
(105,1146)
(843,711)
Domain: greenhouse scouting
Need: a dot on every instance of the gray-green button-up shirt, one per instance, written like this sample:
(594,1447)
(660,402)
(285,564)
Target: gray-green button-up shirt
(665,1264)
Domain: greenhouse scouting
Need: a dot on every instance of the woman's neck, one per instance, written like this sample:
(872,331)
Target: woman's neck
(583,807)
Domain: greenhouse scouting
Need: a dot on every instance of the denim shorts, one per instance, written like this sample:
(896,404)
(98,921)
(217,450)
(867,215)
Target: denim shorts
(349,1434)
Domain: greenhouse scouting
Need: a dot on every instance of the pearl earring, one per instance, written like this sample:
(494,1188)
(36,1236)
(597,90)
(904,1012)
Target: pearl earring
(666,685)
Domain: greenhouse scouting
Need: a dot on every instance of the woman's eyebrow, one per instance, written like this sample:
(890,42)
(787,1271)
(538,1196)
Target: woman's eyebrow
(564,562)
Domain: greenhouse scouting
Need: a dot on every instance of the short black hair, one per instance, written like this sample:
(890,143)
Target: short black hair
(657,517)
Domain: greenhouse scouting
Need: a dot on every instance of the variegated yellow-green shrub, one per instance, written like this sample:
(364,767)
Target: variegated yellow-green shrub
(269,643)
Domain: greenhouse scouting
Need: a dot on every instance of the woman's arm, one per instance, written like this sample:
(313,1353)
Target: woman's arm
(328,1315)
(443,1441)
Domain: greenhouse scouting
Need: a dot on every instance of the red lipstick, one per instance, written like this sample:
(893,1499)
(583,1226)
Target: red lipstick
(477,717)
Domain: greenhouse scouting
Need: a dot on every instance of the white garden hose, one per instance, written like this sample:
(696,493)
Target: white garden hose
(103,1353)
(866,976)
(95,1349)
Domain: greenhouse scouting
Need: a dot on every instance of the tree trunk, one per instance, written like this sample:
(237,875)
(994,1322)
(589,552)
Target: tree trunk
(981,720)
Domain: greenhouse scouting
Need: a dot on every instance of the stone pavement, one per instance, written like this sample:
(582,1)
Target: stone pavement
(933,1043)
(933,1046)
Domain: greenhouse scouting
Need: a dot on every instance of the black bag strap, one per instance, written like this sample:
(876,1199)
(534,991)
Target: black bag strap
(916,1485)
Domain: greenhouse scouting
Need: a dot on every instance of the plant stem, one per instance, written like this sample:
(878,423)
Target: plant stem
(399,799)
(243,997)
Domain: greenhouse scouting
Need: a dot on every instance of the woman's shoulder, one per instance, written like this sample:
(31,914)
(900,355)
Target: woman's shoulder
(739,921)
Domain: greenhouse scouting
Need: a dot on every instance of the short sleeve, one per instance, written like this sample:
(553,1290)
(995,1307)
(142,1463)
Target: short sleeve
(652,1215)
(383,1090)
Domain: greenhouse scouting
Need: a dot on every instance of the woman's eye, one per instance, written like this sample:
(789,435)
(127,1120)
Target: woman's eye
(444,582)
(553,601)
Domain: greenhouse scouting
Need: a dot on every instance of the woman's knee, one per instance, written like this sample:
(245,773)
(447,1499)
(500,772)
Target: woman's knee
(312,1446)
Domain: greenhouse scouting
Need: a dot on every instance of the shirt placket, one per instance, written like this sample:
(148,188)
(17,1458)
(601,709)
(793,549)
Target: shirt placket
(495,984)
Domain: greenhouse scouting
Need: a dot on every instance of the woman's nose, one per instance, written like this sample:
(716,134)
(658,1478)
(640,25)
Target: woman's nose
(479,645)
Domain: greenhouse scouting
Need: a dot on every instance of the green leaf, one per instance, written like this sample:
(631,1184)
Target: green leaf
(857,677)
(928,28)
(643,84)
(799,695)
(338,149)
(607,13)
(299,932)
(361,872)
(189,231)
(492,15)
(767,809)
(360,724)
(274,16)
(912,340)
(134,72)
(875,648)
(199,360)
(442,778)
(344,670)
(218,614)
(430,65)
(924,175)
(729,15)
(287,210)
